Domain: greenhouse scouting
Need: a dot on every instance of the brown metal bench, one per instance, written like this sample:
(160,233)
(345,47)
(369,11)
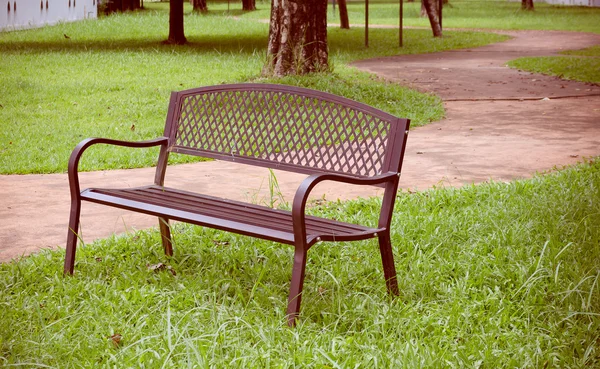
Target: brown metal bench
(328,137)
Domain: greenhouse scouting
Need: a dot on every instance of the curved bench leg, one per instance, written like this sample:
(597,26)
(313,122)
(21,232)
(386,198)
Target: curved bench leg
(72,236)
(387,258)
(295,297)
(165,232)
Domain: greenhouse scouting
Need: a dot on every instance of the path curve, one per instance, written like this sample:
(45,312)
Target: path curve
(497,127)
(500,123)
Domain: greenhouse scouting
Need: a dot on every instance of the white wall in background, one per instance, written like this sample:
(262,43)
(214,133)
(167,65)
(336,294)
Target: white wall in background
(574,2)
(20,14)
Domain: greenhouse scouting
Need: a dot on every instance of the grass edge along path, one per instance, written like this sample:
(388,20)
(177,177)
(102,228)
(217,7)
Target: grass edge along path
(493,275)
(578,65)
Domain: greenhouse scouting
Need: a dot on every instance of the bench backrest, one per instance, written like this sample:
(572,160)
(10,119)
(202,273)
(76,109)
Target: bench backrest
(285,127)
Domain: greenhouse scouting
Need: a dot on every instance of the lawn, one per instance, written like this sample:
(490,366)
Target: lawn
(498,275)
(113,77)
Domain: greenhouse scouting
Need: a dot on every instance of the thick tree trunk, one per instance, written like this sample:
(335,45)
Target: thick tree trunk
(130,5)
(199,6)
(248,4)
(122,5)
(527,4)
(432,13)
(176,34)
(344,21)
(297,37)
(424,11)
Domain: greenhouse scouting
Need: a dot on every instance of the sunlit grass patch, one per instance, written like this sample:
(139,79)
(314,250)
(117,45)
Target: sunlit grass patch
(490,14)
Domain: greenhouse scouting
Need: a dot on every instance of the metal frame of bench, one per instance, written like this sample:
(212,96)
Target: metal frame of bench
(331,138)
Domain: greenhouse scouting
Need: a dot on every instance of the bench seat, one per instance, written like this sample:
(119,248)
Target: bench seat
(224,214)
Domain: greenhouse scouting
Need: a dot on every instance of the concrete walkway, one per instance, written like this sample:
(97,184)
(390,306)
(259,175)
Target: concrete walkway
(498,126)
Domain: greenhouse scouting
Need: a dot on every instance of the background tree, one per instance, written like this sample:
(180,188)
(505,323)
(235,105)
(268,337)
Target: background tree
(344,21)
(176,34)
(248,4)
(297,37)
(527,4)
(199,6)
(431,8)
(120,5)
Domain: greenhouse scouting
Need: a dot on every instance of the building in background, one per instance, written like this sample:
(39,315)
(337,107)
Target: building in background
(20,14)
(574,2)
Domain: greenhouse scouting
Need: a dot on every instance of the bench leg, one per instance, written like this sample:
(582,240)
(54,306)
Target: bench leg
(295,297)
(72,236)
(387,257)
(165,232)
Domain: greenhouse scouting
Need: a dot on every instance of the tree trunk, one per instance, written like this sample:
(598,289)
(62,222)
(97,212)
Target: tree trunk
(432,13)
(176,34)
(248,4)
(199,6)
(527,4)
(424,11)
(297,37)
(344,21)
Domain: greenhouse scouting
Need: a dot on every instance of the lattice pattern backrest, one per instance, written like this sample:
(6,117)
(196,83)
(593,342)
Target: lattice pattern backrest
(292,129)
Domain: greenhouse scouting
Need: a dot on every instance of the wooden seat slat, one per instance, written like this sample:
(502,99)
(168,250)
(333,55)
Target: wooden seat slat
(214,206)
(227,210)
(223,205)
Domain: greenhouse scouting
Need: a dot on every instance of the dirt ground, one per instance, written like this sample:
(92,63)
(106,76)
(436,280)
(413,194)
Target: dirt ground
(501,124)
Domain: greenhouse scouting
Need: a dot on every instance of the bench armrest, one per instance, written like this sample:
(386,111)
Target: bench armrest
(73,169)
(303,191)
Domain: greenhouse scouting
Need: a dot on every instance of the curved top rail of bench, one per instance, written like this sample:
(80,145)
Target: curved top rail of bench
(285,127)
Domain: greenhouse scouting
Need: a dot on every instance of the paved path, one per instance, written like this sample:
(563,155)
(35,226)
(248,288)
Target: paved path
(497,127)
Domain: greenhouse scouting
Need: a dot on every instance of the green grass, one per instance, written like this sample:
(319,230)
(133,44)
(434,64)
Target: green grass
(498,275)
(590,51)
(579,65)
(488,14)
(113,77)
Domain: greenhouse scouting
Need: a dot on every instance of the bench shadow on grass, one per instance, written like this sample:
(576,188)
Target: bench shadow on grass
(246,44)
(346,41)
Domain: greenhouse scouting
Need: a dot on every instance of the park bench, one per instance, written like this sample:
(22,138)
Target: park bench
(327,137)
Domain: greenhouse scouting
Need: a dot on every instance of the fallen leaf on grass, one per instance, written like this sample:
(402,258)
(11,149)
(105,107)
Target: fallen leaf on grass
(220,243)
(115,339)
(159,267)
